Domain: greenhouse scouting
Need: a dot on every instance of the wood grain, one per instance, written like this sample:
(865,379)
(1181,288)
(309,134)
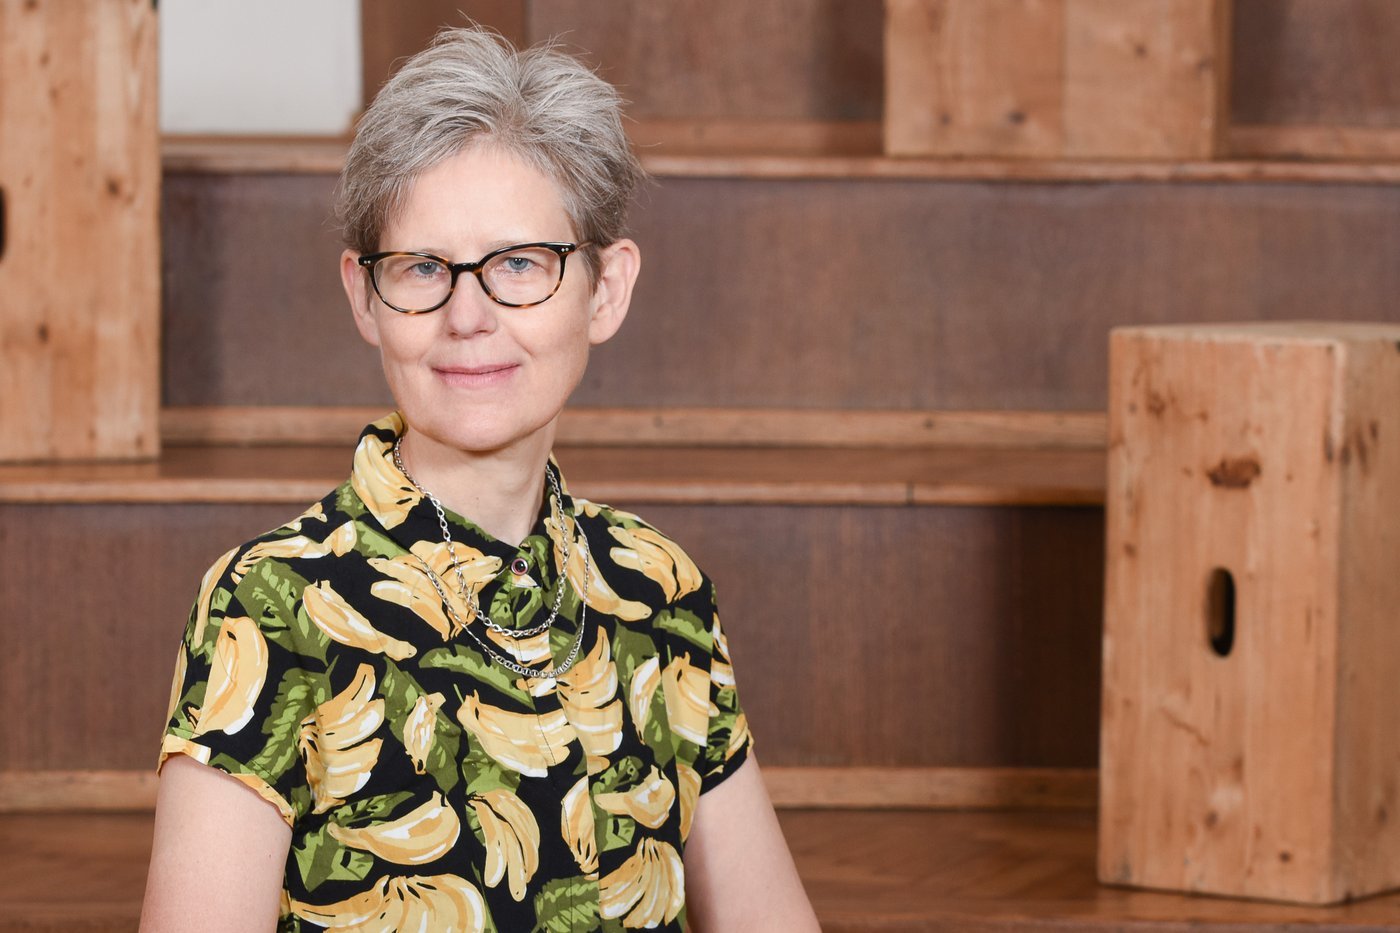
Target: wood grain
(933,872)
(896,636)
(1146,80)
(392,32)
(789,787)
(675,427)
(1056,78)
(1268,766)
(672,474)
(1312,141)
(979,78)
(79,286)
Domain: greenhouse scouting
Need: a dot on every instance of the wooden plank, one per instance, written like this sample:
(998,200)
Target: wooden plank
(77,791)
(1145,80)
(1293,141)
(684,427)
(672,474)
(789,787)
(204,155)
(1056,78)
(1316,63)
(79,276)
(1228,761)
(974,78)
(982,623)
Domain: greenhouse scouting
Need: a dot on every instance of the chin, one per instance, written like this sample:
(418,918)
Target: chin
(477,435)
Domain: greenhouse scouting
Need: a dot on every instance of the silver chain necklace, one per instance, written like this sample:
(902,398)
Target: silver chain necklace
(469,596)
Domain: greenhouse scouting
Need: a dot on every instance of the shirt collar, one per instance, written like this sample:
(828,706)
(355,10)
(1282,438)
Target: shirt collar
(409,517)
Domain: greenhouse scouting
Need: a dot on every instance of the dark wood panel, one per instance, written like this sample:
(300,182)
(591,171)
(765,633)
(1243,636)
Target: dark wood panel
(1317,62)
(390,32)
(253,307)
(732,59)
(812,293)
(909,636)
(872,636)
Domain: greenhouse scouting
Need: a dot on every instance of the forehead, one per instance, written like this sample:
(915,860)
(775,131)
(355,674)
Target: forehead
(475,200)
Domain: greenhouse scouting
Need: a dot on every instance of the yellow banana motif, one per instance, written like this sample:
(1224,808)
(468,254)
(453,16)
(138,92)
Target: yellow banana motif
(339,542)
(658,557)
(379,484)
(522,741)
(512,839)
(333,741)
(426,833)
(649,803)
(601,597)
(177,684)
(236,676)
(650,884)
(420,728)
(690,795)
(585,692)
(645,679)
(579,829)
(738,735)
(432,902)
(343,623)
(687,692)
(206,595)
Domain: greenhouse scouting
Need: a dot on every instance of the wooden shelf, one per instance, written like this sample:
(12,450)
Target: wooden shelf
(969,872)
(621,474)
(294,155)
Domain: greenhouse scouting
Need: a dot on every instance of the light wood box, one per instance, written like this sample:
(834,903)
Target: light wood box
(1103,79)
(79,248)
(1251,741)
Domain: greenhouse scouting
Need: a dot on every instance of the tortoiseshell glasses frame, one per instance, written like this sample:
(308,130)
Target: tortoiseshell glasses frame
(536,277)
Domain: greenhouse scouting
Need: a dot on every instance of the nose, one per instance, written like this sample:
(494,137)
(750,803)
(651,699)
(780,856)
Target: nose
(470,310)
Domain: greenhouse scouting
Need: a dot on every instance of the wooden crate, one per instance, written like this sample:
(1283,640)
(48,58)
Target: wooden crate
(1129,79)
(79,248)
(1251,733)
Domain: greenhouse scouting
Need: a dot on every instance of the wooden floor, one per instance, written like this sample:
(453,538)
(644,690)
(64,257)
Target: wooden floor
(865,870)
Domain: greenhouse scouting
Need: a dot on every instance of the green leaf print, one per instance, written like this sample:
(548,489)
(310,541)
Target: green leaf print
(567,905)
(688,626)
(619,832)
(631,650)
(401,692)
(483,773)
(346,501)
(218,603)
(461,660)
(372,543)
(296,698)
(378,808)
(269,593)
(323,859)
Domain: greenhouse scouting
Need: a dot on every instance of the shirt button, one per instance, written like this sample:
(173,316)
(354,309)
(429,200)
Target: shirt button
(520,566)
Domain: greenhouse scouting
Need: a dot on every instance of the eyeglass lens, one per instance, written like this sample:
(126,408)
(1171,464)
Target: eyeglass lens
(520,277)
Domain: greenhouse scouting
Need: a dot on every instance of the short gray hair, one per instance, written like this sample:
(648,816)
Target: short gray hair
(473,86)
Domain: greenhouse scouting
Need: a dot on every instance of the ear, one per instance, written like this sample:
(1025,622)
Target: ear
(612,294)
(361,295)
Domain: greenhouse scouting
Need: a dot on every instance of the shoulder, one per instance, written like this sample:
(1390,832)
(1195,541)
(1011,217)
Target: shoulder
(322,530)
(626,542)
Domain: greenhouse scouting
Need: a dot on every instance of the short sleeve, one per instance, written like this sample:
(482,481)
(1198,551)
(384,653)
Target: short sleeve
(728,739)
(239,696)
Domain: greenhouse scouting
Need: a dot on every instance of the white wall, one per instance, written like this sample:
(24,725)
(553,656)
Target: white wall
(259,66)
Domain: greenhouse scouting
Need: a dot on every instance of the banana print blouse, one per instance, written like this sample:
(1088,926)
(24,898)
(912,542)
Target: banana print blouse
(427,786)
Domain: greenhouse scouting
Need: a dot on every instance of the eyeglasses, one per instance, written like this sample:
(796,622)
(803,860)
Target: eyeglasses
(516,276)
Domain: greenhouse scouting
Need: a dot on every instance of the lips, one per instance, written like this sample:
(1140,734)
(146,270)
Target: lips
(484,374)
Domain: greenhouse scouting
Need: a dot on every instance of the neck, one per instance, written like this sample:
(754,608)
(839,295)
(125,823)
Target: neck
(501,491)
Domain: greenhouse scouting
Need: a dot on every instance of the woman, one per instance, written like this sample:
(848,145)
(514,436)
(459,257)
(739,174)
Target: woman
(449,696)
